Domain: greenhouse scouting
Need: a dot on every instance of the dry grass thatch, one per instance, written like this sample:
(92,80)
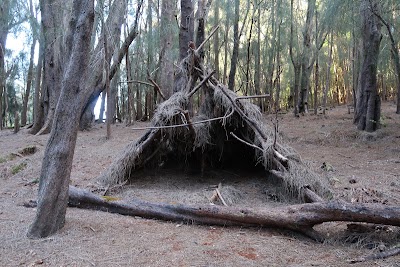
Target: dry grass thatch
(224,122)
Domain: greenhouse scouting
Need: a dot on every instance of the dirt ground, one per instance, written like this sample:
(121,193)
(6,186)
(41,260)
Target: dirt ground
(360,168)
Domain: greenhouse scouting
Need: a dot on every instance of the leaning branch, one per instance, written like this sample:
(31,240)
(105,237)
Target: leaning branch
(129,39)
(201,84)
(206,40)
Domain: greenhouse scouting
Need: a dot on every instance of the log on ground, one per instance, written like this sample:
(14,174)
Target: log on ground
(300,218)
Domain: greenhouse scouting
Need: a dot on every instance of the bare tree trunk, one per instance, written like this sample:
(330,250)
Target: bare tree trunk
(16,117)
(37,103)
(131,113)
(167,60)
(4,13)
(186,32)
(98,80)
(200,30)
(306,65)
(257,63)
(107,89)
(235,52)
(114,89)
(368,101)
(395,57)
(216,39)
(57,163)
(52,26)
(30,69)
(228,15)
(248,80)
(328,76)
(278,56)
(294,96)
(316,67)
(28,85)
(150,55)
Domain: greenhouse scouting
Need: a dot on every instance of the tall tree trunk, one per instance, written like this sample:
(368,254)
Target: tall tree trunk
(37,103)
(257,55)
(28,85)
(270,47)
(328,75)
(52,26)
(57,163)
(228,15)
(316,67)
(246,92)
(278,57)
(150,55)
(167,60)
(216,39)
(97,80)
(186,31)
(235,52)
(30,69)
(395,57)
(306,66)
(130,108)
(4,14)
(294,95)
(107,89)
(200,31)
(368,101)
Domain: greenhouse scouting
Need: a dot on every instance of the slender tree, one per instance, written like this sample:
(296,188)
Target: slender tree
(216,39)
(167,57)
(57,163)
(367,113)
(394,50)
(186,30)
(4,27)
(235,53)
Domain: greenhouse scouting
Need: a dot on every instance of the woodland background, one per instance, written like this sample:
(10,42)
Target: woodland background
(307,55)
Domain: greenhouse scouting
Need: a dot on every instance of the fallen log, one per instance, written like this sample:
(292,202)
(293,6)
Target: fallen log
(300,218)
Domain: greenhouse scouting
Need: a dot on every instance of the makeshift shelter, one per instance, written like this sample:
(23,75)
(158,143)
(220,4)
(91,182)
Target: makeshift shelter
(227,130)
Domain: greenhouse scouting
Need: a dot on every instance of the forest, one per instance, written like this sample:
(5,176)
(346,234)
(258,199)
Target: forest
(207,88)
(306,55)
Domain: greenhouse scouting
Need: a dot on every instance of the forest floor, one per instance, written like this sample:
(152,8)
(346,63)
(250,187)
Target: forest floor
(359,167)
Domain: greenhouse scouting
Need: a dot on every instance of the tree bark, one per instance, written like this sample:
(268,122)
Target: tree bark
(306,65)
(96,82)
(34,27)
(28,85)
(294,95)
(328,76)
(216,39)
(368,108)
(167,59)
(228,15)
(52,26)
(300,218)
(395,57)
(37,102)
(316,68)
(186,30)
(235,52)
(57,163)
(4,14)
